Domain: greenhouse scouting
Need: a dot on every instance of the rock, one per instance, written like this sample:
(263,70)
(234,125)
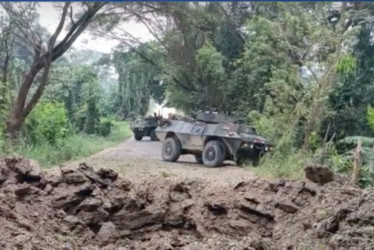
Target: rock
(124,185)
(107,232)
(240,224)
(217,209)
(94,218)
(274,187)
(90,204)
(74,178)
(307,225)
(53,180)
(332,224)
(67,246)
(48,189)
(136,220)
(85,190)
(6,212)
(92,175)
(18,165)
(319,174)
(179,192)
(72,221)
(259,212)
(60,214)
(107,174)
(20,240)
(251,199)
(287,206)
(35,174)
(107,205)
(308,190)
(260,245)
(23,190)
(67,202)
(187,204)
(117,201)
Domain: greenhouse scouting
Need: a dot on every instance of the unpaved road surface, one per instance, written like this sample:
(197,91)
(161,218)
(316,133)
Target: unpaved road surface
(138,159)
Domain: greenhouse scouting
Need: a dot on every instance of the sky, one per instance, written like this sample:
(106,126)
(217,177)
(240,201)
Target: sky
(49,18)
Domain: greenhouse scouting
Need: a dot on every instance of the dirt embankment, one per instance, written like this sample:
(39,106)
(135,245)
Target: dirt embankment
(85,209)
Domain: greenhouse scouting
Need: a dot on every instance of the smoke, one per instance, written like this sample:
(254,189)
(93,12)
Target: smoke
(154,107)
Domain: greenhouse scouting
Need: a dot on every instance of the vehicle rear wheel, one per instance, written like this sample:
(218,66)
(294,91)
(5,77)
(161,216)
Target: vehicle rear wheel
(213,154)
(138,137)
(153,135)
(171,149)
(199,159)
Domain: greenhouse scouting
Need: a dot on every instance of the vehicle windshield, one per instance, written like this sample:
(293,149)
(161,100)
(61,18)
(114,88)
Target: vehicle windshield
(244,129)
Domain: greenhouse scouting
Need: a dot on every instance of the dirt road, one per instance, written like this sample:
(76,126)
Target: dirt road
(143,159)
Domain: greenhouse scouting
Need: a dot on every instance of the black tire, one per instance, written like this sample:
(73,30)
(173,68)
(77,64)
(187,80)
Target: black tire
(171,149)
(241,161)
(256,160)
(199,159)
(213,154)
(138,137)
(153,135)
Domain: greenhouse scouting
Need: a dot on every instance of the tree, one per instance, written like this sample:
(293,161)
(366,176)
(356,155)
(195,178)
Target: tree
(138,80)
(44,53)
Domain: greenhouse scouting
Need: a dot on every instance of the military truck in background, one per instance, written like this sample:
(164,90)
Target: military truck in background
(212,138)
(146,127)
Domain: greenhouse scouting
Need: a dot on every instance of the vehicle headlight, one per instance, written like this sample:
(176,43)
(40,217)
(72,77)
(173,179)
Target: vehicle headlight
(251,146)
(266,149)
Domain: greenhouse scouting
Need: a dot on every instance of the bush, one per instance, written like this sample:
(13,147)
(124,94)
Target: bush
(48,122)
(73,146)
(105,127)
(289,166)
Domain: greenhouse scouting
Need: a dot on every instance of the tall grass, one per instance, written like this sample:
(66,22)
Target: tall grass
(290,166)
(73,146)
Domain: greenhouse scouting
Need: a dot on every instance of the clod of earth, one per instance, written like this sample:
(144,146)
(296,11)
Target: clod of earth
(319,174)
(81,208)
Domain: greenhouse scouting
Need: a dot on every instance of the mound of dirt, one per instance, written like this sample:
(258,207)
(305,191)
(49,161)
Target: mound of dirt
(85,209)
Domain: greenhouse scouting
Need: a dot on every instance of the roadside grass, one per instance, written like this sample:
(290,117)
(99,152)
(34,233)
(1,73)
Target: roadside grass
(74,146)
(291,166)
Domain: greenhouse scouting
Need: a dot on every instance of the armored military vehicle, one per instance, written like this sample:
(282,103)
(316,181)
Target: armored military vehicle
(212,138)
(146,127)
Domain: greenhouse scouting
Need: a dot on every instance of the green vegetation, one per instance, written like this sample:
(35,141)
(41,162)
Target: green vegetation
(300,72)
(73,146)
(50,138)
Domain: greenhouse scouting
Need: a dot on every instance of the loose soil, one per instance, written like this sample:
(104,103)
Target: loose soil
(84,207)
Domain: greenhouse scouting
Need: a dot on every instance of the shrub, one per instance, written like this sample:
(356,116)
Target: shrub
(105,127)
(73,146)
(48,122)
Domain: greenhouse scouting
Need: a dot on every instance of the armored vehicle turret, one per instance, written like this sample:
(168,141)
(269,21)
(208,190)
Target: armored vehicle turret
(212,138)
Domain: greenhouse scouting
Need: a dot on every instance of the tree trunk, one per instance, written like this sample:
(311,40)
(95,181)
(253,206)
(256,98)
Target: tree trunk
(43,59)
(13,125)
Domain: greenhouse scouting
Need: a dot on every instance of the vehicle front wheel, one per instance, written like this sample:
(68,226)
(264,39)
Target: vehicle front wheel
(213,154)
(171,149)
(241,161)
(138,137)
(256,159)
(153,135)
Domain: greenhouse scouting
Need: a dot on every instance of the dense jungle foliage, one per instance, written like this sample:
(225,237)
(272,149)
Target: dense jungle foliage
(300,72)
